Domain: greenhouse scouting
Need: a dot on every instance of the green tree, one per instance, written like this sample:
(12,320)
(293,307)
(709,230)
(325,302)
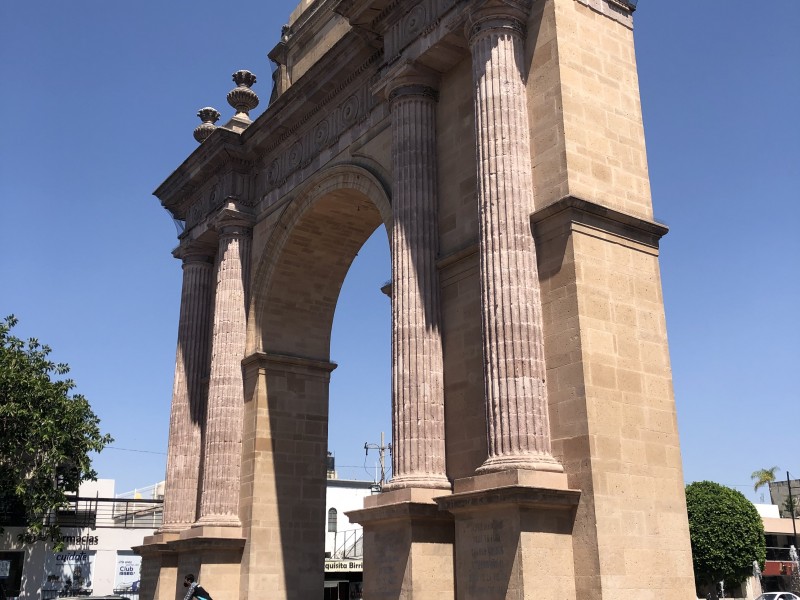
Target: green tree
(726,532)
(46,433)
(763,477)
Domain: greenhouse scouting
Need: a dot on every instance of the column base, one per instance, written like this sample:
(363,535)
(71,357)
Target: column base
(218,521)
(513,535)
(408,546)
(531,462)
(173,528)
(439,482)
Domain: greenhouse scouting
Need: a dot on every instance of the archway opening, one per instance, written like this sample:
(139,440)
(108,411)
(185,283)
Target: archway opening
(315,243)
(360,391)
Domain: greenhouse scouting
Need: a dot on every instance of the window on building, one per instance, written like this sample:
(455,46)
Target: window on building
(11,566)
(332,520)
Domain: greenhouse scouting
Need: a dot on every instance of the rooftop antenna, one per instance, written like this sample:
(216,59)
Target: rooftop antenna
(381,448)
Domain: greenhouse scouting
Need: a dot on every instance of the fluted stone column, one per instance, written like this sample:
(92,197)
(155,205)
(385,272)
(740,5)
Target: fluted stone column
(418,458)
(513,349)
(189,390)
(219,504)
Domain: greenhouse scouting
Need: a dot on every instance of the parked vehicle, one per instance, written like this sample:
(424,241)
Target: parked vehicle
(778,596)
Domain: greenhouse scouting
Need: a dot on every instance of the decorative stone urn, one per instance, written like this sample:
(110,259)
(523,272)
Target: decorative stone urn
(208,116)
(242,98)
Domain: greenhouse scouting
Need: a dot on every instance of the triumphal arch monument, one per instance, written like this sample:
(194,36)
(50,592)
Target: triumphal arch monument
(536,454)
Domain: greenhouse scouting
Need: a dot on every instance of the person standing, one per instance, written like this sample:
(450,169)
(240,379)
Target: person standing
(195,589)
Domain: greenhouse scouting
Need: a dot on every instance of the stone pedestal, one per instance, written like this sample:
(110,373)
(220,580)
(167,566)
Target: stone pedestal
(513,536)
(159,567)
(408,546)
(212,554)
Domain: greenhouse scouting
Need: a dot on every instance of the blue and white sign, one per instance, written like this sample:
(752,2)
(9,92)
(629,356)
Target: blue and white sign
(129,567)
(69,571)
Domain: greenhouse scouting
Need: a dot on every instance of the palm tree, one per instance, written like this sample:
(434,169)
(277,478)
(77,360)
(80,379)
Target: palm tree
(763,477)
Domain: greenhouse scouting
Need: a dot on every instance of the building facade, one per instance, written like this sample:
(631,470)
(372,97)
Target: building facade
(781,533)
(99,532)
(344,539)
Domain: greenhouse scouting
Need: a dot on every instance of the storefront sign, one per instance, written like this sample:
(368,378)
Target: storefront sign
(339,566)
(129,566)
(69,571)
(81,540)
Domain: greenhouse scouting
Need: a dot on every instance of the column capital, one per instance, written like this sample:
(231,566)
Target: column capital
(417,90)
(408,78)
(195,251)
(233,219)
(496,16)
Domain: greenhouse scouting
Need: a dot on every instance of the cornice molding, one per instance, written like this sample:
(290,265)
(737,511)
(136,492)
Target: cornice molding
(561,215)
(225,150)
(220,154)
(616,10)
(294,93)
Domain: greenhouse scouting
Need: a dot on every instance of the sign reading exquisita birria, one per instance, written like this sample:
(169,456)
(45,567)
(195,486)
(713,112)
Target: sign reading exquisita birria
(338,566)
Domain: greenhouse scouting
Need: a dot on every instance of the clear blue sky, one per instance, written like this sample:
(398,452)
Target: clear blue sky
(99,101)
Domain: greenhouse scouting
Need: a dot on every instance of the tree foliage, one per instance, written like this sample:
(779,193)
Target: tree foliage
(763,477)
(46,433)
(726,532)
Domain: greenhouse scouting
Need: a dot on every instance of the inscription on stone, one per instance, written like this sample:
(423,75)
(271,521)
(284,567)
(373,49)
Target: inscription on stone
(488,571)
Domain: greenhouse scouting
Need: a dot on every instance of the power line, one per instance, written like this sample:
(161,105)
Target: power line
(134,450)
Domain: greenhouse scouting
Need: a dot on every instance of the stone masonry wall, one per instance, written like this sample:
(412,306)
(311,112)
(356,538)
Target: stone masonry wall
(586,118)
(459,275)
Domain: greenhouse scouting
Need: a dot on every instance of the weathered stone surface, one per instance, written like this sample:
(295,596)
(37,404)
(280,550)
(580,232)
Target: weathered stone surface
(530,359)
(188,413)
(222,451)
(513,353)
(418,457)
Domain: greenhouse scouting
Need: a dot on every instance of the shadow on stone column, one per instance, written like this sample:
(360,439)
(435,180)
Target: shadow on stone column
(408,546)
(513,536)
(159,569)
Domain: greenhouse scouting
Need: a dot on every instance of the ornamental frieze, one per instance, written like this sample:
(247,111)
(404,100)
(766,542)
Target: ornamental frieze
(417,22)
(299,151)
(233,183)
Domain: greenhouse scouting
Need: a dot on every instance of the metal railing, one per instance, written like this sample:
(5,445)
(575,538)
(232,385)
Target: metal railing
(349,544)
(127,513)
(777,553)
(76,592)
(65,593)
(81,512)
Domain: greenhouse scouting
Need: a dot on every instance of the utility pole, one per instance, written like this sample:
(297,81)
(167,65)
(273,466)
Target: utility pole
(791,508)
(381,448)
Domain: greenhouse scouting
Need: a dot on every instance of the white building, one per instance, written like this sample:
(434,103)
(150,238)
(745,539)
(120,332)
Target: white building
(344,545)
(99,530)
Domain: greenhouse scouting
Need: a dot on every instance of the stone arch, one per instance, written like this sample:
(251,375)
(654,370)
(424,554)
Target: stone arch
(309,252)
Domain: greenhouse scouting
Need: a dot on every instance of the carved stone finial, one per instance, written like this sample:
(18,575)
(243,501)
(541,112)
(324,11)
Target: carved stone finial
(208,116)
(242,98)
